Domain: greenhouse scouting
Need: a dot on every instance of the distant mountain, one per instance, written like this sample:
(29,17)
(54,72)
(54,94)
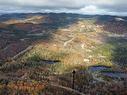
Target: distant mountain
(33,26)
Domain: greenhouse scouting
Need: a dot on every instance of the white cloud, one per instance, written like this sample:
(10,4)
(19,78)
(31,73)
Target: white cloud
(118,7)
(91,10)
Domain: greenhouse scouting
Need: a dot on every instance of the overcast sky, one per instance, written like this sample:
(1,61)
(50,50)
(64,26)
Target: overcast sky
(114,7)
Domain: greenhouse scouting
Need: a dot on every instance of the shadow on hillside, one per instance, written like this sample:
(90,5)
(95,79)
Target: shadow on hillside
(43,30)
(118,43)
(119,54)
(29,33)
(111,25)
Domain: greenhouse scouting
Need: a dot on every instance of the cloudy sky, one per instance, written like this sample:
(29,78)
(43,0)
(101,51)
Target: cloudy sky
(113,7)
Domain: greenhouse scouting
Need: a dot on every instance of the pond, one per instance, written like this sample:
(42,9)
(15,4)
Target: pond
(106,71)
(98,68)
(50,61)
(115,75)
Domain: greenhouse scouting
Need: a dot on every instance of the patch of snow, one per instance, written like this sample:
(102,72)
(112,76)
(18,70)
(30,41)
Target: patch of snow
(119,19)
(82,26)
(90,56)
(83,46)
(54,45)
(102,56)
(92,47)
(88,50)
(86,60)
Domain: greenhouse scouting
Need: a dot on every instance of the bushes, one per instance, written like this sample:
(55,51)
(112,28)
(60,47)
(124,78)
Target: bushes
(34,57)
(38,54)
(11,67)
(29,88)
(67,59)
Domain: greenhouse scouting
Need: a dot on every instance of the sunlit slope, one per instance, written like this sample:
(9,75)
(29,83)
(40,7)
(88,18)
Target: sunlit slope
(81,44)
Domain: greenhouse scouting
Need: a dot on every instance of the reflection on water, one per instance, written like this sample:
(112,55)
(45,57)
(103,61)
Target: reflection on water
(98,68)
(107,72)
(117,75)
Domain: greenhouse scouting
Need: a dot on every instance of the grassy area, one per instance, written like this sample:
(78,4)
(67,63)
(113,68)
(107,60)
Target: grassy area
(67,60)
(82,51)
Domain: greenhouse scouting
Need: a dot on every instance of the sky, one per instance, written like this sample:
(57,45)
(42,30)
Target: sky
(103,7)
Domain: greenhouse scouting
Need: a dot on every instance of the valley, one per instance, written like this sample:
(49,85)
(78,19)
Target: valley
(40,51)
